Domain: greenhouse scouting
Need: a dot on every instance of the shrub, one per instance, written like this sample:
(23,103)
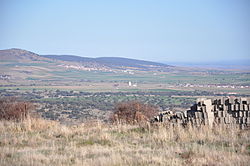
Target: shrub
(11,109)
(133,112)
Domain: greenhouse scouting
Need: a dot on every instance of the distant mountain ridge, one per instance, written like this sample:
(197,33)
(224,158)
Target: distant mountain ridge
(27,68)
(19,55)
(108,61)
(23,56)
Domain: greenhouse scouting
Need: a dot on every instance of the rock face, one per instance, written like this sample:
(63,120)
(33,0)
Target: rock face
(215,111)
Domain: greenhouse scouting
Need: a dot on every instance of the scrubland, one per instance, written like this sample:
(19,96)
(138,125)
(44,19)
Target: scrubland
(36,141)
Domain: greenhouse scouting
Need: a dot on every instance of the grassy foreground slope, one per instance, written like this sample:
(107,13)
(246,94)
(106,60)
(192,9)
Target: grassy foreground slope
(41,142)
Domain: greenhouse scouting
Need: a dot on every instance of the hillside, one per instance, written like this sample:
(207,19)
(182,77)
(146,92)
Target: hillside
(112,62)
(24,67)
(19,55)
(20,67)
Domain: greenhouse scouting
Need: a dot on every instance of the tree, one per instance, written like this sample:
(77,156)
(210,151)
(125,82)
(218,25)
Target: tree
(133,112)
(11,109)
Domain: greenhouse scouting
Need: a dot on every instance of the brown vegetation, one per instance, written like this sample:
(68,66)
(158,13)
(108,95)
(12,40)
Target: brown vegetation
(42,142)
(11,109)
(133,112)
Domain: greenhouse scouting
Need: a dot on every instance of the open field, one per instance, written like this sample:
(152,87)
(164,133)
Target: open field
(44,75)
(140,87)
(53,73)
(42,142)
(27,71)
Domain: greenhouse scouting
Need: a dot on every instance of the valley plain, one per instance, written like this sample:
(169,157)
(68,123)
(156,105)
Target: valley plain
(56,84)
(75,97)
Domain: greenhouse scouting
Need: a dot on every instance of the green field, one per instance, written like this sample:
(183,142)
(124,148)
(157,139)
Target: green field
(50,75)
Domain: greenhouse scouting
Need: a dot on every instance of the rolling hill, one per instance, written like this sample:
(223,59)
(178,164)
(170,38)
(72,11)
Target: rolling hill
(23,56)
(112,62)
(19,55)
(24,66)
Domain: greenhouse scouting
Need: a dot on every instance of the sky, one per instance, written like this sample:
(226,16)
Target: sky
(156,30)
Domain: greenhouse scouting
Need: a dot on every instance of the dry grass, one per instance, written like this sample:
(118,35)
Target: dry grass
(41,142)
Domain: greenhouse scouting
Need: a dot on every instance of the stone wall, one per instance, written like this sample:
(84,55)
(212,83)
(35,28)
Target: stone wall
(215,111)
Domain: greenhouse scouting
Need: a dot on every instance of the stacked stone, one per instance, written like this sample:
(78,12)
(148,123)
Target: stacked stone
(180,117)
(222,113)
(168,117)
(196,116)
(219,111)
(241,112)
(236,112)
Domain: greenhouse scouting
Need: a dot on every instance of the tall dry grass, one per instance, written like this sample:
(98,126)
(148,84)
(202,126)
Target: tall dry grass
(41,142)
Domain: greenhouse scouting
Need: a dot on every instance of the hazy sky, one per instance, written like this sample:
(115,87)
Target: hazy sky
(158,30)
